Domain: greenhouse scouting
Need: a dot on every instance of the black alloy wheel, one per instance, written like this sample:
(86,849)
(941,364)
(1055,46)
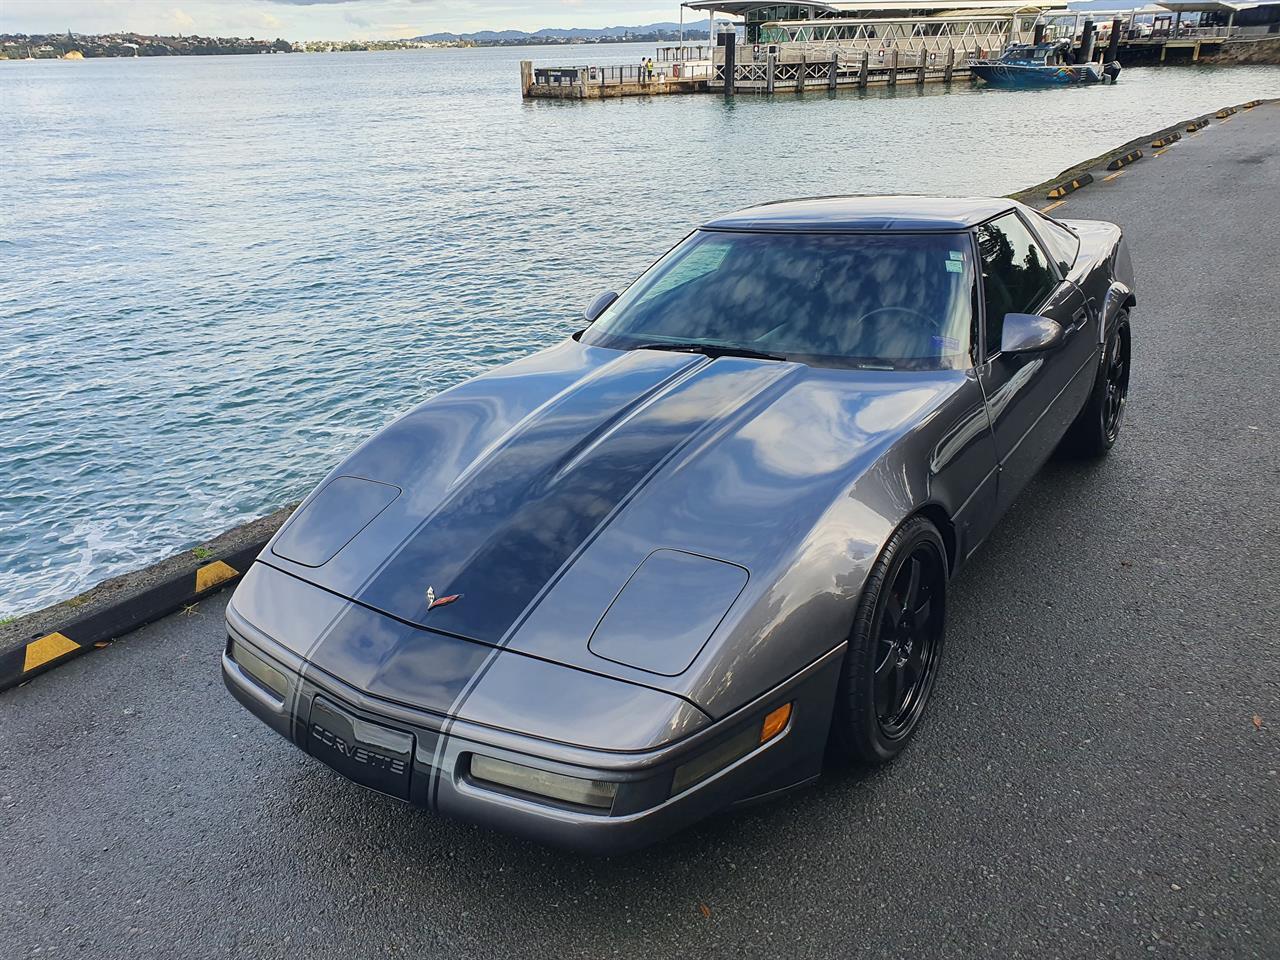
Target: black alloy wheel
(895,646)
(1117,385)
(1097,426)
(910,635)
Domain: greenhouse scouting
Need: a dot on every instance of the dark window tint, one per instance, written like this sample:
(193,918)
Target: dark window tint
(1016,276)
(1062,243)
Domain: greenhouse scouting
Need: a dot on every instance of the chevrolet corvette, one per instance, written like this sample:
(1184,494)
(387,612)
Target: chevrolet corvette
(671,563)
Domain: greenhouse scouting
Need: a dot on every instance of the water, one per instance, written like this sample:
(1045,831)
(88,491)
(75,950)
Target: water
(218,274)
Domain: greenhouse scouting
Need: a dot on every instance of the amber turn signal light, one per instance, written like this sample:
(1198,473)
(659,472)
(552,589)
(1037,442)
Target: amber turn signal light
(775,722)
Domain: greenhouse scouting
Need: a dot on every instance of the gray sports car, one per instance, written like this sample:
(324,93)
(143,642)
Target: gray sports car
(668,564)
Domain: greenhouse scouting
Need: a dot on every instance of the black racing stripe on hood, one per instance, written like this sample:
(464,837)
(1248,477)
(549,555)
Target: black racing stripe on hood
(516,521)
(397,661)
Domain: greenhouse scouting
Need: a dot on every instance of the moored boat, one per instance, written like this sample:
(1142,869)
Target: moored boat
(1041,65)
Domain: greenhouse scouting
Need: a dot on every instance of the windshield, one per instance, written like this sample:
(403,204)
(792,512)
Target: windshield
(893,300)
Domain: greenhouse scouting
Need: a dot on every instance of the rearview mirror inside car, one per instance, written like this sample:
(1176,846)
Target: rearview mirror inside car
(1029,333)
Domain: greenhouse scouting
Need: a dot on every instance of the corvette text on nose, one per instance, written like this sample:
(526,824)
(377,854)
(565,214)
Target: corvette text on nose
(358,754)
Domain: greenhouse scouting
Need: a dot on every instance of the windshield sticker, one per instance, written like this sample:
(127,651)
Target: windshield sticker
(956,254)
(955,266)
(946,344)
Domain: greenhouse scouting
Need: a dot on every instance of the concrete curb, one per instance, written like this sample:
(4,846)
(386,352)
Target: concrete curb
(48,638)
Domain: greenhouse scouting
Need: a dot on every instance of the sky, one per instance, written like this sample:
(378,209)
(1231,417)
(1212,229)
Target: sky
(325,19)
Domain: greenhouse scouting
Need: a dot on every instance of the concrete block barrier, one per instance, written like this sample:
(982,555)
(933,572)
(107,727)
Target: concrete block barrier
(1124,161)
(37,654)
(1070,186)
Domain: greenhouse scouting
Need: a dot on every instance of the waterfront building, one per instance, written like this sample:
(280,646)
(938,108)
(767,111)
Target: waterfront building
(845,20)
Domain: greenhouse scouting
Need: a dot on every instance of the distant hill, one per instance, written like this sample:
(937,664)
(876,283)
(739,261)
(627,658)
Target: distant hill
(691,29)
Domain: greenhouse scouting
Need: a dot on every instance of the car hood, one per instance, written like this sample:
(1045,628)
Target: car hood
(521,503)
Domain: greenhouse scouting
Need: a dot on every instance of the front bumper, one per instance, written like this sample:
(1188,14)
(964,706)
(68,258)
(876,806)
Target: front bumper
(437,752)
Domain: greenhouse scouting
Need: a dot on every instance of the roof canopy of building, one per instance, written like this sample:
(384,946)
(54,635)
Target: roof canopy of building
(1203,6)
(879,7)
(935,7)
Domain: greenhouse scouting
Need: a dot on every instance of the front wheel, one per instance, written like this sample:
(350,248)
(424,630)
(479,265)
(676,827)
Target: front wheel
(894,647)
(1095,430)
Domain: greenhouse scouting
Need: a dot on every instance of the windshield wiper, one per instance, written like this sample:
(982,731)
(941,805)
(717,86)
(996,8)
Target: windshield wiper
(710,350)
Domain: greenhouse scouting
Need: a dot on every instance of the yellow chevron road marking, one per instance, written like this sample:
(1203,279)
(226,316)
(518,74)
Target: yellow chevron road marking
(212,574)
(49,647)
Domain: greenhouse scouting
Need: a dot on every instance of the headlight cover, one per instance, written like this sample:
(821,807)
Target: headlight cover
(343,507)
(662,618)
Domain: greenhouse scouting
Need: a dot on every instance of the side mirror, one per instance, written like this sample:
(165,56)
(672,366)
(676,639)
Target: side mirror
(1028,333)
(598,306)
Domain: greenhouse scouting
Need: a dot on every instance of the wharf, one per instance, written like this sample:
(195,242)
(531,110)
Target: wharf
(788,69)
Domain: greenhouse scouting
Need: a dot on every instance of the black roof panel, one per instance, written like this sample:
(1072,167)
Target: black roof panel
(865,213)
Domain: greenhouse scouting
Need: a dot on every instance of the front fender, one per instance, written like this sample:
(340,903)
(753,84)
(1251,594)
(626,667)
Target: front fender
(1120,294)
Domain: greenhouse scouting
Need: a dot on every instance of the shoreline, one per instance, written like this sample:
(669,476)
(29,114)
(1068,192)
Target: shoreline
(40,639)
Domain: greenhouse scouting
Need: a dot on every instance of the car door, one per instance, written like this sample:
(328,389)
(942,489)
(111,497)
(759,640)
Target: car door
(1031,398)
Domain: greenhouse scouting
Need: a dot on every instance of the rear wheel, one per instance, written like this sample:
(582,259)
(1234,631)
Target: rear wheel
(894,648)
(1096,428)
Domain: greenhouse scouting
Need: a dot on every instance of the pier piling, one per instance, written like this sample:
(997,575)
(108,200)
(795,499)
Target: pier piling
(1086,42)
(770,74)
(951,65)
(893,67)
(833,70)
(864,69)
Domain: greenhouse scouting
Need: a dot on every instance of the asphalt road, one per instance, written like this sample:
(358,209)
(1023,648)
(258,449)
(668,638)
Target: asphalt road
(1091,781)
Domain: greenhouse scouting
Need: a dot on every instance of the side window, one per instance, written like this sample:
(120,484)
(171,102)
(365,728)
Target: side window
(1062,243)
(1016,275)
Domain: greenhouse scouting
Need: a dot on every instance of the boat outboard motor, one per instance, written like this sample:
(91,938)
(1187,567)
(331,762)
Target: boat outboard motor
(1112,71)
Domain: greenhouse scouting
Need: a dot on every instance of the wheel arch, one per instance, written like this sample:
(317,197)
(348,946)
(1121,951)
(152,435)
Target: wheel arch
(937,514)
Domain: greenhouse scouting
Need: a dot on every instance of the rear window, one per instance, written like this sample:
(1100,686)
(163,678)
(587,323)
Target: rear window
(1062,243)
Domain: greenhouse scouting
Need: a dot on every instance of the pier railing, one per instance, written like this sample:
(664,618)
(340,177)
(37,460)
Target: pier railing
(847,69)
(683,52)
(619,75)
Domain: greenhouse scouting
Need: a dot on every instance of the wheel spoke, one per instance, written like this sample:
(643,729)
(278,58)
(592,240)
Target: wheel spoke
(921,613)
(884,684)
(899,685)
(892,616)
(911,594)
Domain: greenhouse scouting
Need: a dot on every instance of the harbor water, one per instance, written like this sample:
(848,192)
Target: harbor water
(217,274)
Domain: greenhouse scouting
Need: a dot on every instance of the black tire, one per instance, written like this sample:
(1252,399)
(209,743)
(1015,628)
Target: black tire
(1097,426)
(893,630)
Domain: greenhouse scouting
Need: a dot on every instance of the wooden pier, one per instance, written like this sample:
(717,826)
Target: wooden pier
(786,70)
